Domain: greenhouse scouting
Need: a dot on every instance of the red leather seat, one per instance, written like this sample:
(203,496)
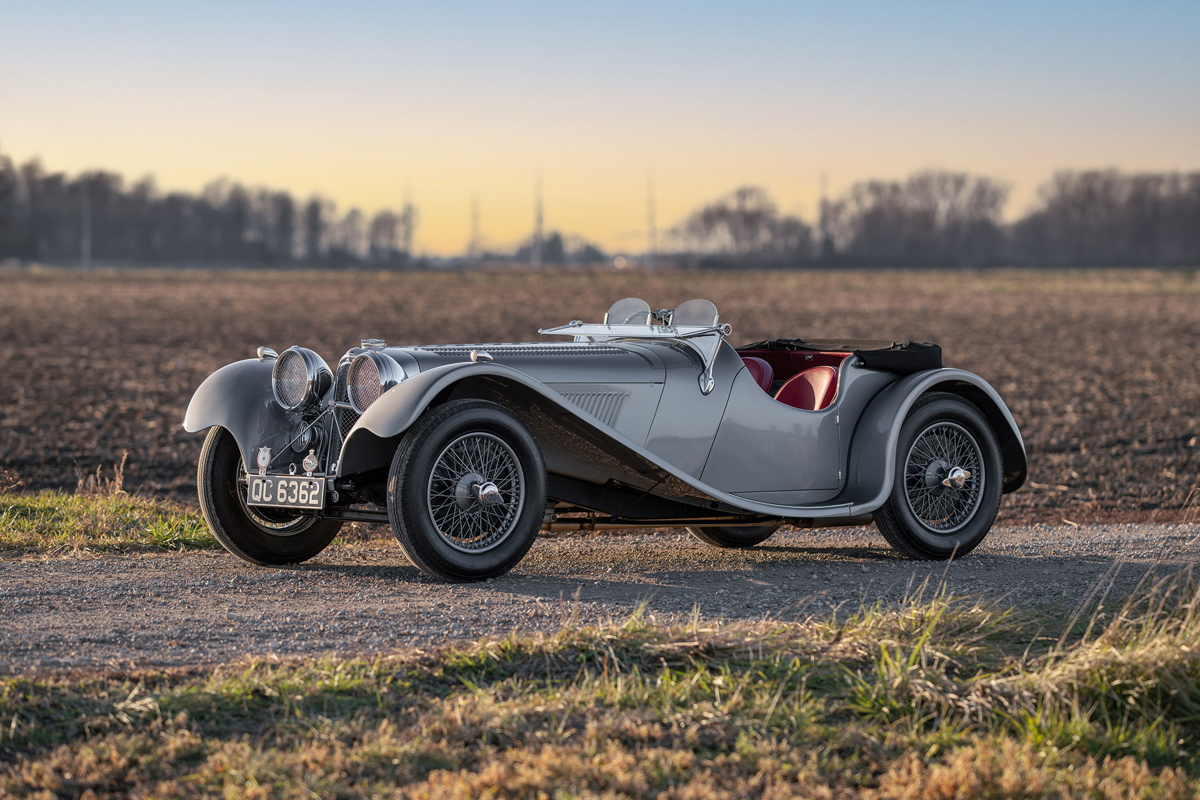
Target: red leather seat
(811,390)
(761,371)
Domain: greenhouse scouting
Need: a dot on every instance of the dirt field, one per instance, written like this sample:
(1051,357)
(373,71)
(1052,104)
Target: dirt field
(1099,368)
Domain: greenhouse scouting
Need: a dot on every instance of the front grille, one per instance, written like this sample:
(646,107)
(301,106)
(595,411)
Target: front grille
(346,417)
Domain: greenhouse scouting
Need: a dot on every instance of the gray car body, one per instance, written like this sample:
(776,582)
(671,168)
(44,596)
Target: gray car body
(623,425)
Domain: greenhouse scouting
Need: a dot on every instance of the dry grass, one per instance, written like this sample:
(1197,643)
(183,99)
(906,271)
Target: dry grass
(9,482)
(100,485)
(937,698)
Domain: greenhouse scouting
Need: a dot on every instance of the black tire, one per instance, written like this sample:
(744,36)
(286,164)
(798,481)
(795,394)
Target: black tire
(436,489)
(924,518)
(733,537)
(267,537)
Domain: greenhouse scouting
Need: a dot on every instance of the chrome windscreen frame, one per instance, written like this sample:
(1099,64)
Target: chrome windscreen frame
(704,340)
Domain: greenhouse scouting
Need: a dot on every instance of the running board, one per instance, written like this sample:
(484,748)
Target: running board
(600,523)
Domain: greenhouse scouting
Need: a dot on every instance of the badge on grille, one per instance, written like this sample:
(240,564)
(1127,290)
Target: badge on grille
(264,460)
(310,463)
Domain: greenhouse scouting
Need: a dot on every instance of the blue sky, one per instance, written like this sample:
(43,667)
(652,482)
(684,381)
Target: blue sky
(366,101)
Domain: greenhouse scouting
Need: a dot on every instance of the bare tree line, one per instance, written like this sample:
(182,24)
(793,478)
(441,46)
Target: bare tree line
(932,219)
(745,225)
(1109,218)
(951,219)
(54,218)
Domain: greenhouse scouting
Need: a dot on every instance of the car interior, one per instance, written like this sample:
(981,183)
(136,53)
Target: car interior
(801,379)
(806,380)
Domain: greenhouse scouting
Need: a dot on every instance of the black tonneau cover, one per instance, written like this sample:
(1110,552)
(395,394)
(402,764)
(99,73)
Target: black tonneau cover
(898,357)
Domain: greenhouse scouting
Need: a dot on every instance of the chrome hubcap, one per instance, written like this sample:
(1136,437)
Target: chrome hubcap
(943,477)
(956,479)
(488,494)
(476,492)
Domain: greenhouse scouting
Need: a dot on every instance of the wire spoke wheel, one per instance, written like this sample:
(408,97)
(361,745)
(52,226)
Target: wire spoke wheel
(467,491)
(944,477)
(476,492)
(946,483)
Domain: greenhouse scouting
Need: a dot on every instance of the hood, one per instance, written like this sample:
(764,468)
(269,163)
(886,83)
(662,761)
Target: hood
(555,362)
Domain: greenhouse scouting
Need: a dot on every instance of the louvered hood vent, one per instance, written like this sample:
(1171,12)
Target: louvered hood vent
(604,406)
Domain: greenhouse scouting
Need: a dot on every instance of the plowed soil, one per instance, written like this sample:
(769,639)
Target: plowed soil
(1099,368)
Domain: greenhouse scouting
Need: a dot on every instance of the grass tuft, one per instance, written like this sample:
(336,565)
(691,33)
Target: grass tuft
(98,485)
(939,697)
(105,520)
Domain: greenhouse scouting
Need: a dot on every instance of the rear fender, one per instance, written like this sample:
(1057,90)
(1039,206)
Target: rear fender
(873,448)
(238,397)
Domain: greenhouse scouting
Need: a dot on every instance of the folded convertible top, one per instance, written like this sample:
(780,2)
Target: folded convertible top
(899,357)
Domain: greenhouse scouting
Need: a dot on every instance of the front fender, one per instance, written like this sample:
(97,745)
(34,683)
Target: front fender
(238,397)
(876,437)
(368,444)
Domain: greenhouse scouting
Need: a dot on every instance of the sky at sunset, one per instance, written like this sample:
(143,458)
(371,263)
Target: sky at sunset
(363,101)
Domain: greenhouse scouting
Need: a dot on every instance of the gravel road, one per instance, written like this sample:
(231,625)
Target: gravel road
(173,609)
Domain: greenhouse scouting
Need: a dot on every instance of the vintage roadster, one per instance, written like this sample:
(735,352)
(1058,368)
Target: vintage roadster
(649,419)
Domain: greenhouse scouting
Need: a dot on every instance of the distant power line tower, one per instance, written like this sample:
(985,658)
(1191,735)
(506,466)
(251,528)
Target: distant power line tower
(475,246)
(826,243)
(651,223)
(408,217)
(535,252)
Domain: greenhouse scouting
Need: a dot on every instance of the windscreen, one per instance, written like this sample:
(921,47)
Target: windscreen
(695,312)
(630,311)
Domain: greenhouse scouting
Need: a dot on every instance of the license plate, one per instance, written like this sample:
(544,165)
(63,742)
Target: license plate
(286,492)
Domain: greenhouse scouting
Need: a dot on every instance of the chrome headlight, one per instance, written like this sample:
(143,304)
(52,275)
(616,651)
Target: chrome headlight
(300,378)
(370,375)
